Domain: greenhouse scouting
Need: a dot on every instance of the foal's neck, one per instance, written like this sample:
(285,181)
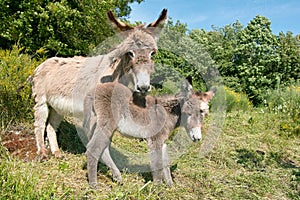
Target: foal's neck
(170,102)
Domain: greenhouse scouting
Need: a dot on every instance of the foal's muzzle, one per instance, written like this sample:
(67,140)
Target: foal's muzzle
(195,134)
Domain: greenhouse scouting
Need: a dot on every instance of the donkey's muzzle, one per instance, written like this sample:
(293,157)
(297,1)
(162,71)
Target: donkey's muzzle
(143,89)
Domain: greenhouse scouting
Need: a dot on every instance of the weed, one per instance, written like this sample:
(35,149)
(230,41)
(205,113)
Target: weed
(285,104)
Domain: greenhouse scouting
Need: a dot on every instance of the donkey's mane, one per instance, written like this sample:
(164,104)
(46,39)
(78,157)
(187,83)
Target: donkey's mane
(171,103)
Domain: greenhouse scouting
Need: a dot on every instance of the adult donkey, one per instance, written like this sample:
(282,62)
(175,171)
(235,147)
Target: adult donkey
(112,106)
(60,84)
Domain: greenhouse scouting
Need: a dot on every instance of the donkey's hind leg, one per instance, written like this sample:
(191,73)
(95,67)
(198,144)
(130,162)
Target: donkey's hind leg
(41,113)
(53,123)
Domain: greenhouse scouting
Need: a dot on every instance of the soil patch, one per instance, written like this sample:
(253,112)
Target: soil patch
(20,144)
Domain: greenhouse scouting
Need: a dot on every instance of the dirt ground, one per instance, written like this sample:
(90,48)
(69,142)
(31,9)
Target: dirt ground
(20,144)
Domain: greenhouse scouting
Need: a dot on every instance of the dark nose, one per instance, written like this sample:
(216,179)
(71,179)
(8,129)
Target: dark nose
(143,89)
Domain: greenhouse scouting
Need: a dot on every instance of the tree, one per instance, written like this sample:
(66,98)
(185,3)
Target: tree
(65,27)
(289,53)
(256,62)
(179,57)
(221,44)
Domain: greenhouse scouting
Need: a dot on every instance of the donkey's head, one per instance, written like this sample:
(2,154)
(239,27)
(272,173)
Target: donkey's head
(194,108)
(136,51)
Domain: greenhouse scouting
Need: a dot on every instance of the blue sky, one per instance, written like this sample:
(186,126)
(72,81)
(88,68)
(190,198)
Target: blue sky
(284,14)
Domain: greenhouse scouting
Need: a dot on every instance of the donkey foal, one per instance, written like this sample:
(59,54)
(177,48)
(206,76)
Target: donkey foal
(112,106)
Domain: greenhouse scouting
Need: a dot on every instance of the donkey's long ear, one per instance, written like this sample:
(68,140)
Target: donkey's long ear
(116,23)
(186,88)
(156,26)
(161,19)
(207,96)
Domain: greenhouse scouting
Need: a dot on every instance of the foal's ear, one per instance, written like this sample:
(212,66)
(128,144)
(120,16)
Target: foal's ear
(117,24)
(156,26)
(207,96)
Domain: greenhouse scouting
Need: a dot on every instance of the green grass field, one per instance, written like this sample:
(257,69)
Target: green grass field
(253,158)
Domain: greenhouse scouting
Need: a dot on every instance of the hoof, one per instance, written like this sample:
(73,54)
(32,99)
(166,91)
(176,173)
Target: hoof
(169,183)
(41,155)
(118,179)
(57,154)
(93,186)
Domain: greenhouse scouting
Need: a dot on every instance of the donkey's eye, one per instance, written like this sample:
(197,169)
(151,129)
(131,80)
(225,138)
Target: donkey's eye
(131,54)
(152,53)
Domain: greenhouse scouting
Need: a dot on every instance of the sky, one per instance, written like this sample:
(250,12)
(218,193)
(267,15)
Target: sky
(202,14)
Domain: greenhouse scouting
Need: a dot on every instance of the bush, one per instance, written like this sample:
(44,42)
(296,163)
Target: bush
(16,102)
(285,102)
(236,101)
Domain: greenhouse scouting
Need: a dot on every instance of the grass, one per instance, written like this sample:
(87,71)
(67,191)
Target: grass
(250,160)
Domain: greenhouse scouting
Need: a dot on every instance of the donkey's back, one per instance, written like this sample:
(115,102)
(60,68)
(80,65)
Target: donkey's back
(59,88)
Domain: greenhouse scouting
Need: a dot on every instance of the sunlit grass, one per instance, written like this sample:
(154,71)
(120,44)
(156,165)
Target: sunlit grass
(250,161)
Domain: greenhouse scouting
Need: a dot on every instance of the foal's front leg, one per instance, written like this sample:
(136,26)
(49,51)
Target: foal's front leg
(166,165)
(160,163)
(95,149)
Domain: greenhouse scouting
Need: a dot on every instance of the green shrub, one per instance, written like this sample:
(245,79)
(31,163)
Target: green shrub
(16,102)
(285,102)
(236,101)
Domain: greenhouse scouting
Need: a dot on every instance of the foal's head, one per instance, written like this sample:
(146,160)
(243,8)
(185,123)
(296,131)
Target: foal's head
(136,51)
(194,108)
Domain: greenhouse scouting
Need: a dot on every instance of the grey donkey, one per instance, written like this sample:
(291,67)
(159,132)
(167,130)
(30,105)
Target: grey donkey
(60,84)
(112,106)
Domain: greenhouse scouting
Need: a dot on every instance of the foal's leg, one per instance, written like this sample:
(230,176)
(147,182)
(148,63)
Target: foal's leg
(156,166)
(166,165)
(108,161)
(41,113)
(160,163)
(53,123)
(156,163)
(95,148)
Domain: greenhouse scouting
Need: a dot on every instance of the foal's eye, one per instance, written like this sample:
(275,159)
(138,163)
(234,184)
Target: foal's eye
(131,54)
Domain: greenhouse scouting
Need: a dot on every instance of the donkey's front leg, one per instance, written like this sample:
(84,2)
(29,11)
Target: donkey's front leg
(166,166)
(92,161)
(160,164)
(95,149)
(156,163)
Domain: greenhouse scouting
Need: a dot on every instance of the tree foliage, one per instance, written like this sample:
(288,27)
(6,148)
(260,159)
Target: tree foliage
(65,27)
(179,57)
(252,59)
